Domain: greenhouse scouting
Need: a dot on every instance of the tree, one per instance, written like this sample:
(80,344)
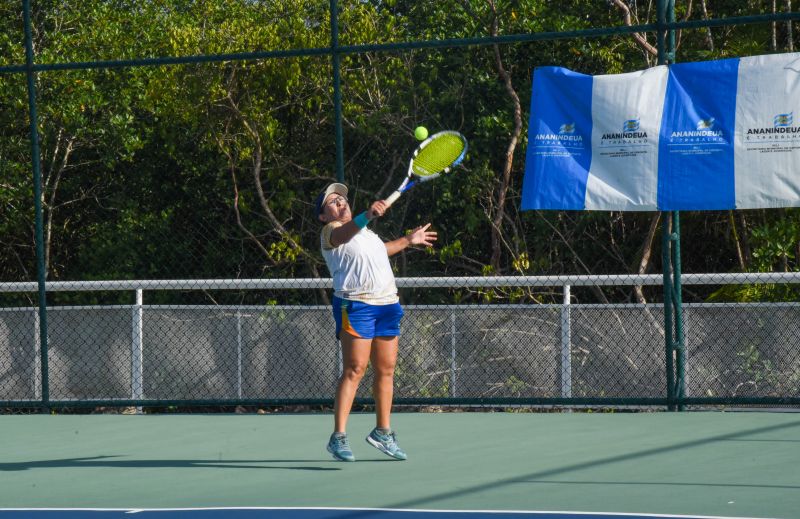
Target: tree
(209,170)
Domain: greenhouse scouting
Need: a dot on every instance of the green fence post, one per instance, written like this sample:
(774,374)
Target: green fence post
(669,369)
(675,239)
(677,302)
(337,90)
(671,251)
(37,195)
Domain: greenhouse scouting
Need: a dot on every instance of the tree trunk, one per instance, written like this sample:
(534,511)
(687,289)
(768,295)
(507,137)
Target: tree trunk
(51,188)
(736,241)
(647,251)
(744,234)
(774,40)
(640,38)
(709,39)
(505,180)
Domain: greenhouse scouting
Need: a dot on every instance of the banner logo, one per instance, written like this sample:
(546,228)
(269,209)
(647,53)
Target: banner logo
(704,133)
(777,134)
(705,124)
(630,141)
(631,125)
(568,128)
(566,135)
(567,142)
(783,120)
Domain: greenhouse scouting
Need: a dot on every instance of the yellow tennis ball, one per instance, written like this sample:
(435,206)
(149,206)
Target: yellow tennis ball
(421,133)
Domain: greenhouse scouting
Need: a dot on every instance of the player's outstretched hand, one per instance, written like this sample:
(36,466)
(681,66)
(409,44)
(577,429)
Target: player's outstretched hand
(422,236)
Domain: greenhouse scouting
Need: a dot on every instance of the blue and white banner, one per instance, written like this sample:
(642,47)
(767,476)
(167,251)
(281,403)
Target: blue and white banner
(691,136)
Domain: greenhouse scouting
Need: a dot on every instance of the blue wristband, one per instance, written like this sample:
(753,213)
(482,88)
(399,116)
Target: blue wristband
(361,220)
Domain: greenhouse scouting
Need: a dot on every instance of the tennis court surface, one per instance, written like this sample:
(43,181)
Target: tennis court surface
(566,465)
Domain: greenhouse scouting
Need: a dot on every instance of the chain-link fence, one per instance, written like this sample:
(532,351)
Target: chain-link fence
(567,354)
(187,141)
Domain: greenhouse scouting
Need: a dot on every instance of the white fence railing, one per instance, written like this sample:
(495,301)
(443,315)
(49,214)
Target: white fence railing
(409,282)
(563,360)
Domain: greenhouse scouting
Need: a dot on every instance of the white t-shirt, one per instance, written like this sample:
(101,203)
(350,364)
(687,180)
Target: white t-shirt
(360,268)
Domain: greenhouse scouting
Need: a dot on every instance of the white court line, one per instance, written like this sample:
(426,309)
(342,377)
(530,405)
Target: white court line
(400,510)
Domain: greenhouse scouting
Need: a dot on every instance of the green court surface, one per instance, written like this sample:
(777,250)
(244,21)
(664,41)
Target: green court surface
(733,464)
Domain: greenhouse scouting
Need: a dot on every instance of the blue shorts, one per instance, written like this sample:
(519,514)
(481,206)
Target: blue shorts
(366,321)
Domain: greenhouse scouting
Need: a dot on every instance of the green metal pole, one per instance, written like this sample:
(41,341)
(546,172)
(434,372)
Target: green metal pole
(37,201)
(337,90)
(663,41)
(671,249)
(675,237)
(669,368)
(677,302)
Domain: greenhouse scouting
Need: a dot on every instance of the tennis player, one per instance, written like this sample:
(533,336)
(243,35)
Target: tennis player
(366,310)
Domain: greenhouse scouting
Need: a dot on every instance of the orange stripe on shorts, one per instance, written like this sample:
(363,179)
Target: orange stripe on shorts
(346,326)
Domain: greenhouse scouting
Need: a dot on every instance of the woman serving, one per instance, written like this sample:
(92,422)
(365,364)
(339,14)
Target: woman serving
(366,310)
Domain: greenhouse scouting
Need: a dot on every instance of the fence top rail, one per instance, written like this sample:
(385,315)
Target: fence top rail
(390,47)
(409,282)
(247,310)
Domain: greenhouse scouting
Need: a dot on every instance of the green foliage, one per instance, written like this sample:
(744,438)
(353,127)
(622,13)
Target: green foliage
(515,387)
(774,244)
(209,170)
(757,369)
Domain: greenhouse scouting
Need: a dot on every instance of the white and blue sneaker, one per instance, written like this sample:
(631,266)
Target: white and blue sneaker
(386,443)
(339,447)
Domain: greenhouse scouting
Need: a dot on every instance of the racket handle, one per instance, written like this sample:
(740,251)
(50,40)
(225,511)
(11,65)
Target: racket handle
(391,198)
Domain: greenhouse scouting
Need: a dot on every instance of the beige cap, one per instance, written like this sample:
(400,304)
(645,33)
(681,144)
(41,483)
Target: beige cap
(339,189)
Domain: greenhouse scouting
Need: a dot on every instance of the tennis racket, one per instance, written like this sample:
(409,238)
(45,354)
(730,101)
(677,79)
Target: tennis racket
(435,156)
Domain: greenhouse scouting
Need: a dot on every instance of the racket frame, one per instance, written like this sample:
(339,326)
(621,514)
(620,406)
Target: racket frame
(413,179)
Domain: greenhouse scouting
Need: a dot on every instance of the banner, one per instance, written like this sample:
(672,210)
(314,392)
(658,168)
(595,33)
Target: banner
(689,136)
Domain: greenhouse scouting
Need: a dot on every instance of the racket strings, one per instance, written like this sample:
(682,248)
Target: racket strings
(439,154)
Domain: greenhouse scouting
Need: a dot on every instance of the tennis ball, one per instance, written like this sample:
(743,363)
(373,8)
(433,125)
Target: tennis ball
(421,133)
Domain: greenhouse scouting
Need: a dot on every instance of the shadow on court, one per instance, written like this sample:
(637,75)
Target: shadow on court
(653,483)
(109,462)
(542,476)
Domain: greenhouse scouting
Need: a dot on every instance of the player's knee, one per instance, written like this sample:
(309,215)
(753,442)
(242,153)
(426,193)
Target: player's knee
(384,369)
(354,371)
